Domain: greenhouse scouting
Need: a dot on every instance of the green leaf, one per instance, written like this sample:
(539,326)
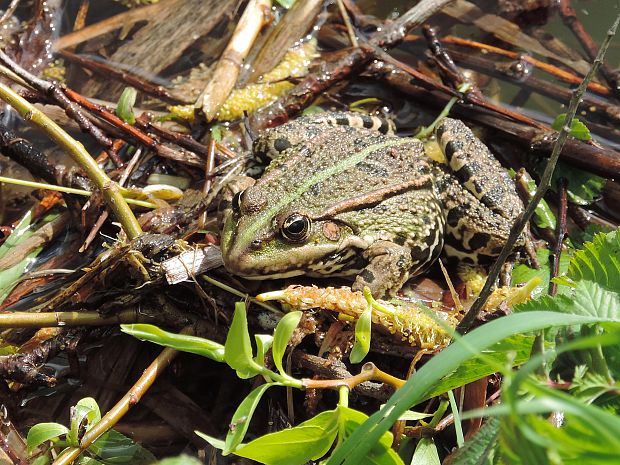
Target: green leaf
(215,442)
(83,416)
(381,453)
(45,459)
(242,416)
(475,368)
(182,459)
(598,261)
(285,3)
(582,187)
(479,448)
(181,342)
(543,216)
(124,107)
(410,415)
(578,130)
(263,344)
(216,133)
(426,453)
(238,348)
(295,446)
(9,278)
(43,432)
(363,328)
(20,233)
(116,448)
(523,273)
(423,381)
(282,335)
(587,299)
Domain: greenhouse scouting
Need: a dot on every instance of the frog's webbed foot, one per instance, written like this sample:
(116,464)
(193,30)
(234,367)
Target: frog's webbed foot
(387,270)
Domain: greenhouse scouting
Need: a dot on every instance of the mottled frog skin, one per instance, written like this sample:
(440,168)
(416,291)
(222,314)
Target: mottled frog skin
(343,196)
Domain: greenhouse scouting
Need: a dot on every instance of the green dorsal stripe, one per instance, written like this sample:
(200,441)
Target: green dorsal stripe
(247,235)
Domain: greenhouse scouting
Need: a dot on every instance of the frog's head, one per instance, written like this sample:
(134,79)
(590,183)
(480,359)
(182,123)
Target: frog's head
(267,237)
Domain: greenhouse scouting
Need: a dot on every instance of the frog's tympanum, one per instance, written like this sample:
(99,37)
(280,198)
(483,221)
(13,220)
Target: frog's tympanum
(343,196)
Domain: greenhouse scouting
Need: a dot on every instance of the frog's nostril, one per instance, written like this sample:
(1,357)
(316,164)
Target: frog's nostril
(256,243)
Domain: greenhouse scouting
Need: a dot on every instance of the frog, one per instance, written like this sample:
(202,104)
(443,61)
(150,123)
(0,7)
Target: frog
(344,196)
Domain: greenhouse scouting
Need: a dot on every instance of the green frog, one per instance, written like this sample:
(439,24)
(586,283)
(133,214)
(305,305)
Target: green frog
(344,196)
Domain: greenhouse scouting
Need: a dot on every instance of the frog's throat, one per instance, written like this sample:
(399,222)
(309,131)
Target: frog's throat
(244,239)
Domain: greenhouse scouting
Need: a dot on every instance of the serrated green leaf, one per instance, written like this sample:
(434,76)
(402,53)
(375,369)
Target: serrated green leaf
(43,432)
(242,417)
(238,348)
(295,446)
(124,107)
(363,329)
(425,453)
(281,336)
(598,261)
(578,130)
(182,342)
(479,448)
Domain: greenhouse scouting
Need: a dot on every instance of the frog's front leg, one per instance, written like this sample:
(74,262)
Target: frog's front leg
(387,270)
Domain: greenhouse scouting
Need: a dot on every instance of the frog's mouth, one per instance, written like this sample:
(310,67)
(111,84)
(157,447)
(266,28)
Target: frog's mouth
(276,260)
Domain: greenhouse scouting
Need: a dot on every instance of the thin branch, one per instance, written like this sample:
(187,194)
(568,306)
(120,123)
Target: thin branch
(545,182)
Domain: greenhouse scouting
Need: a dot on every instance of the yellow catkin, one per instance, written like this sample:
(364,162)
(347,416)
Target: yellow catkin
(409,323)
(271,85)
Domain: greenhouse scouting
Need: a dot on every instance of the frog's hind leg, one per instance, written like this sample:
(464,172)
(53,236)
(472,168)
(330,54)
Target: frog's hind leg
(477,170)
(474,233)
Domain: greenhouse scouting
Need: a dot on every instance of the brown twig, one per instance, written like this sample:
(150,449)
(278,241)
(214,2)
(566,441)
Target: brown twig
(188,158)
(602,161)
(128,78)
(548,68)
(544,184)
(518,73)
(569,16)
(560,232)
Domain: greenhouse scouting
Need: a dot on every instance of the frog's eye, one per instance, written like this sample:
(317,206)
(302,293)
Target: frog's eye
(236,202)
(296,227)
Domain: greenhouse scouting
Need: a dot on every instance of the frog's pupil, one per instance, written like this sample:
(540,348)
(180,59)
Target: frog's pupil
(296,227)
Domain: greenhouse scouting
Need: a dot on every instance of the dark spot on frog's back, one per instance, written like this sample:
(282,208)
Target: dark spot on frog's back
(315,189)
(281,144)
(367,276)
(367,121)
(454,215)
(479,240)
(373,169)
